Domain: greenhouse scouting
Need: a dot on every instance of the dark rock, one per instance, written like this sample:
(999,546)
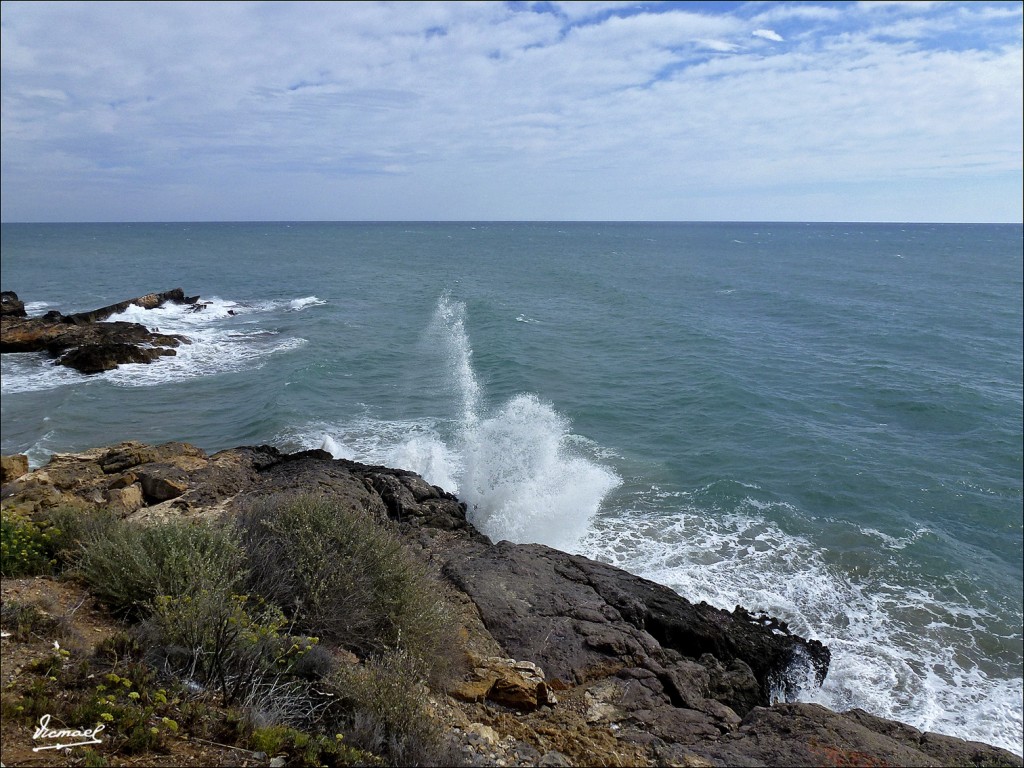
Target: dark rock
(162,482)
(96,358)
(811,735)
(578,619)
(11,305)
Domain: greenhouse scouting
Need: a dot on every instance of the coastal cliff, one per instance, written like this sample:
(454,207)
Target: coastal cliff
(563,660)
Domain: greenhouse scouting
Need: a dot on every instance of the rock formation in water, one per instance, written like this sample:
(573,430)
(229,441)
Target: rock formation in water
(588,663)
(82,341)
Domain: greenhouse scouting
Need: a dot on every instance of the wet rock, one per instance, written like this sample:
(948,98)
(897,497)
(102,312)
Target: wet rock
(580,619)
(811,735)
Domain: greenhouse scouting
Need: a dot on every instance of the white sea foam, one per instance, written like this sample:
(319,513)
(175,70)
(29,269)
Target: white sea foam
(879,663)
(297,305)
(34,371)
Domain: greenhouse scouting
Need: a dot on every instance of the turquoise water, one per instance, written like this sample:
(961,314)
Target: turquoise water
(820,421)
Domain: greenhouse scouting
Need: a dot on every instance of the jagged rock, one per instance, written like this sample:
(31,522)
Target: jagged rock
(82,342)
(811,735)
(11,305)
(96,358)
(581,619)
(12,467)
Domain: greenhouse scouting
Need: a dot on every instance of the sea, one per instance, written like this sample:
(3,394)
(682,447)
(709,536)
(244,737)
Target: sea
(822,422)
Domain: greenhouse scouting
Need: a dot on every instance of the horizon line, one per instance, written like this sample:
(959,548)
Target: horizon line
(511,221)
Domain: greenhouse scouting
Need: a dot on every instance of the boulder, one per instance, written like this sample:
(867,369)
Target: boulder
(125,500)
(12,467)
(516,684)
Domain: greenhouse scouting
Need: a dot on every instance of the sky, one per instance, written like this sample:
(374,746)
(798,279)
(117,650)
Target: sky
(486,111)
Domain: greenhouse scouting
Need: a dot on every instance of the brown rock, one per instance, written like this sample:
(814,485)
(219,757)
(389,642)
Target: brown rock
(127,499)
(516,684)
(12,467)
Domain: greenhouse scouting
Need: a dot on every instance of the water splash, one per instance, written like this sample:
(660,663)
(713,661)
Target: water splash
(523,473)
(521,477)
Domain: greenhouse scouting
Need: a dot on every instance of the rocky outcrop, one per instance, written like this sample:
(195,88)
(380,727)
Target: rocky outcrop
(81,341)
(569,661)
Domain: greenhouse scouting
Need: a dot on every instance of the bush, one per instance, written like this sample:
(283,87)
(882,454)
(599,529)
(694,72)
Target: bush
(26,546)
(129,565)
(344,577)
(74,527)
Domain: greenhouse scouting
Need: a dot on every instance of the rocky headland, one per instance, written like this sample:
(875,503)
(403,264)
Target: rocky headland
(568,661)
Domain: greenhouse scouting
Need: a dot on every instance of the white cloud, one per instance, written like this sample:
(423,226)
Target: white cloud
(767,34)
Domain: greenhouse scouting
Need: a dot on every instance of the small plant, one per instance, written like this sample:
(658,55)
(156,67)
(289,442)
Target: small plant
(306,749)
(26,619)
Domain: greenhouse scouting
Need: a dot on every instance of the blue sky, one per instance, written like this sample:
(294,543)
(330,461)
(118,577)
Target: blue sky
(763,111)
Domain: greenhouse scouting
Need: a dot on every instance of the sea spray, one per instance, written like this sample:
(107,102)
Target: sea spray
(523,483)
(519,468)
(519,476)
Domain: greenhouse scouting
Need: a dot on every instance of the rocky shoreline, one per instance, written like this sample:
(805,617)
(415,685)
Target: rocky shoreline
(570,661)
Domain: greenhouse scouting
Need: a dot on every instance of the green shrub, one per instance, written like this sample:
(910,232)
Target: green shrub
(306,749)
(129,565)
(26,546)
(344,577)
(73,527)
